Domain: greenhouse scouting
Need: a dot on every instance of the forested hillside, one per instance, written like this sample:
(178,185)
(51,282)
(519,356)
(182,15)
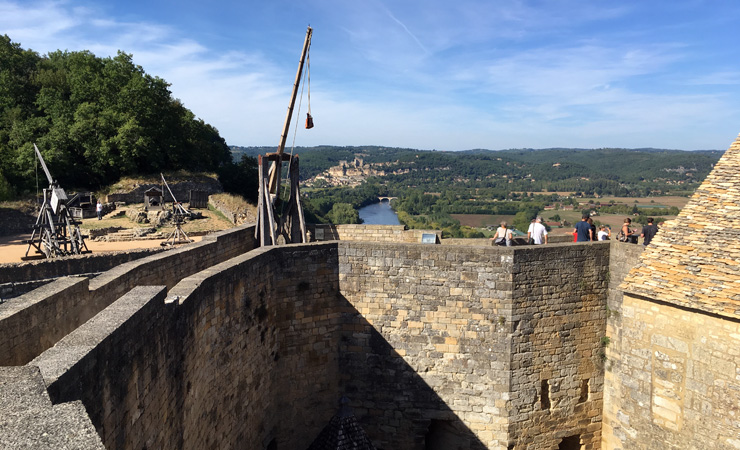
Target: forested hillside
(95,120)
(623,172)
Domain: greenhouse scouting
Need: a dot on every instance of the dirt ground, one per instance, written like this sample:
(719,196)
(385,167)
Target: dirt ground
(12,248)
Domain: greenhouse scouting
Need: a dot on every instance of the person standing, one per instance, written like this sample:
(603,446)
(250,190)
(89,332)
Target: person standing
(537,232)
(593,228)
(627,233)
(582,231)
(99,210)
(649,231)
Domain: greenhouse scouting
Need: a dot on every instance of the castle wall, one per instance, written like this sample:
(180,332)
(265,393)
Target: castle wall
(71,265)
(31,323)
(558,315)
(238,356)
(262,349)
(125,367)
(370,233)
(430,343)
(427,322)
(674,379)
(482,329)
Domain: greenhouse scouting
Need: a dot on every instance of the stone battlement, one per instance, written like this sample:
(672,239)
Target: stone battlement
(490,346)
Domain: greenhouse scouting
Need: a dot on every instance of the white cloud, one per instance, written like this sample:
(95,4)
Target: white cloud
(426,74)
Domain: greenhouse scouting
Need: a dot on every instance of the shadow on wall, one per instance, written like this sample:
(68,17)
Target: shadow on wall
(252,353)
(393,403)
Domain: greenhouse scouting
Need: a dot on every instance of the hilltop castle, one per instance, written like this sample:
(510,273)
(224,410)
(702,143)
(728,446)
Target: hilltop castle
(221,345)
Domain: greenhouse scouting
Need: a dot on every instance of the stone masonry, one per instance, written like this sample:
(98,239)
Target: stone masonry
(483,347)
(438,347)
(674,375)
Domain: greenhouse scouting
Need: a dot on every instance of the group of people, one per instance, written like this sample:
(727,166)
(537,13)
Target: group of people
(585,231)
(536,234)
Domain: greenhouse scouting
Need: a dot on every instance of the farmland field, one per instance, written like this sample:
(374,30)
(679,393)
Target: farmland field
(646,202)
(481,220)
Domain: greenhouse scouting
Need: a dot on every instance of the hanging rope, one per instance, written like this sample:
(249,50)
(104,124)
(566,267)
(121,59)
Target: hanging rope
(309,119)
(306,79)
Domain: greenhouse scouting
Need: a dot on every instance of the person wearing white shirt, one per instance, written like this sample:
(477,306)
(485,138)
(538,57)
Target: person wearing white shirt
(537,232)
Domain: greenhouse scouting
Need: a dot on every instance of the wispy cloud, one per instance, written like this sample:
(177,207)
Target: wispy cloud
(426,73)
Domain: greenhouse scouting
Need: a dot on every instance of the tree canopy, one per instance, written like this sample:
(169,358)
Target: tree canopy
(94,120)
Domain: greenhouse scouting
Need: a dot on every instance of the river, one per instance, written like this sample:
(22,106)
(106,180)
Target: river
(378,214)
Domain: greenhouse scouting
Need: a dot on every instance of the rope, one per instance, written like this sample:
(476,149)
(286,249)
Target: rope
(306,78)
(308,73)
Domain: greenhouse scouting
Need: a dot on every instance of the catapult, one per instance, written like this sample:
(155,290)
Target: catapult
(56,233)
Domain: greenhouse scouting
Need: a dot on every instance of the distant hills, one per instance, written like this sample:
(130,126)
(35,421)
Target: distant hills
(604,171)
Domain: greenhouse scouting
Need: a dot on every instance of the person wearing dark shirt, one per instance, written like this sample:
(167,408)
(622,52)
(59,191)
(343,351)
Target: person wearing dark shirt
(649,231)
(591,223)
(583,230)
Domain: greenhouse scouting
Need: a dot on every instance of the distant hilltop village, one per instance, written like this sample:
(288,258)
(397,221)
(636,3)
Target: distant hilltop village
(352,174)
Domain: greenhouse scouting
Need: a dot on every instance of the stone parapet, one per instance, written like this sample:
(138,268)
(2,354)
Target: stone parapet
(370,233)
(33,322)
(31,421)
(488,347)
(47,269)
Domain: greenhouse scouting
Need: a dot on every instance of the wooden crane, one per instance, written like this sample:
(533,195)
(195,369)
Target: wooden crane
(289,226)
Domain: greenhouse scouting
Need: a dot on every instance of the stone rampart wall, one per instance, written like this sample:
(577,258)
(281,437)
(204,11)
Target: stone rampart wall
(238,356)
(57,309)
(31,323)
(71,265)
(428,342)
(371,233)
(168,268)
(674,379)
(428,322)
(558,317)
(125,367)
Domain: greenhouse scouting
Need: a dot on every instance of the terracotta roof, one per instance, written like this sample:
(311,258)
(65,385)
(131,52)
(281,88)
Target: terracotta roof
(694,261)
(343,432)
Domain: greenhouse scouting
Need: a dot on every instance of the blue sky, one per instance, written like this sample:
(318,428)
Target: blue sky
(427,74)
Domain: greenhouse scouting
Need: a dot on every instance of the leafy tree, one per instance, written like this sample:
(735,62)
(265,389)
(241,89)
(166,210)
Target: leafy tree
(343,213)
(95,120)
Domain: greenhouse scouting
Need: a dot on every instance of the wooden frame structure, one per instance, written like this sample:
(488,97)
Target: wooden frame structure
(55,233)
(290,226)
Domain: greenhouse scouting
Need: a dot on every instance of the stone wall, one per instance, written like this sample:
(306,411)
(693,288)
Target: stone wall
(427,322)
(371,233)
(34,322)
(56,308)
(474,334)
(430,343)
(71,265)
(673,378)
(558,318)
(238,356)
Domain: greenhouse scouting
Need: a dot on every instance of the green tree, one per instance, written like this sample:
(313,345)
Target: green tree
(343,213)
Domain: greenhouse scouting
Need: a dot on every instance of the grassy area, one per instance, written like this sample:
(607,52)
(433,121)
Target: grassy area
(211,221)
(130,183)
